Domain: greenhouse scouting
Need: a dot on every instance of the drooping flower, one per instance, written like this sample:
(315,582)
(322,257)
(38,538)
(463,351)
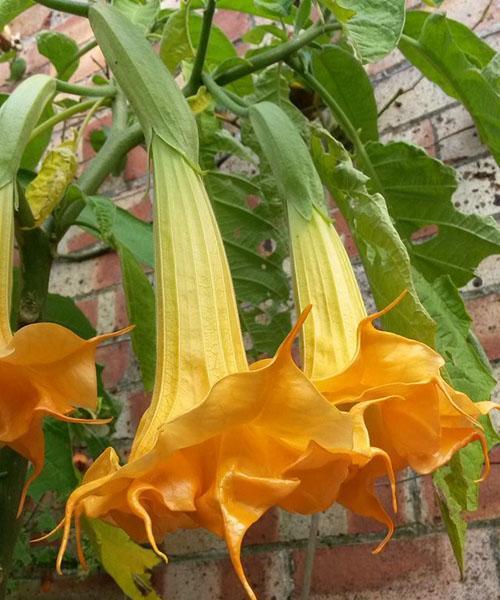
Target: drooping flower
(411,412)
(221,442)
(45,369)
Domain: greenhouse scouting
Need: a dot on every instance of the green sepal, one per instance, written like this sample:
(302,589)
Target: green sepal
(155,97)
(296,177)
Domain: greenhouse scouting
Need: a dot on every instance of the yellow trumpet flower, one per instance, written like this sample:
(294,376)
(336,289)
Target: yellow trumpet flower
(221,442)
(45,369)
(412,413)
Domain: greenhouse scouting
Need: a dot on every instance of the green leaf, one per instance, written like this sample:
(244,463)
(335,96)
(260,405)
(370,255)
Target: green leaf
(373,27)
(123,227)
(36,148)
(140,299)
(140,13)
(61,50)
(491,73)
(281,8)
(58,476)
(56,173)
(175,45)
(257,34)
(17,68)
(10,9)
(454,60)
(346,80)
(19,114)
(127,563)
(256,247)
(303,15)
(286,152)
(418,190)
(63,310)
(382,250)
(465,364)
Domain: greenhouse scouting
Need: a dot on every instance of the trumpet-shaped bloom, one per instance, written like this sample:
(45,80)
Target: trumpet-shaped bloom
(221,442)
(45,369)
(412,413)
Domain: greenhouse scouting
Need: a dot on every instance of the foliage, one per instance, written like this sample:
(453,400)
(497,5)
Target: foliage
(396,198)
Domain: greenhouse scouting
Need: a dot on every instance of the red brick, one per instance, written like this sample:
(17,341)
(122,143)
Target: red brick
(137,163)
(107,271)
(32,20)
(52,587)
(79,241)
(87,150)
(485,312)
(233,24)
(77,28)
(355,569)
(265,530)
(89,307)
(116,359)
(267,573)
(138,403)
(90,63)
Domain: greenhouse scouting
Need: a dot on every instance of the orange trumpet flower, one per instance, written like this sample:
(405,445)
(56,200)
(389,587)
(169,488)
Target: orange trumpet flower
(221,442)
(45,369)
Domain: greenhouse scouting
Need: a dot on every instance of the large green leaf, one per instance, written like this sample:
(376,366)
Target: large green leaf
(58,475)
(61,50)
(140,300)
(175,45)
(255,249)
(9,9)
(127,563)
(140,13)
(126,229)
(418,191)
(453,57)
(63,310)
(373,27)
(465,364)
(382,251)
(346,80)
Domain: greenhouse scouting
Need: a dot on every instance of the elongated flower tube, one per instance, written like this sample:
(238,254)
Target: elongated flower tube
(45,369)
(413,414)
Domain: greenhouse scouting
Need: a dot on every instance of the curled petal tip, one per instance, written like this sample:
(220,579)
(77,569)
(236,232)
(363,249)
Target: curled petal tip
(385,541)
(47,535)
(487,465)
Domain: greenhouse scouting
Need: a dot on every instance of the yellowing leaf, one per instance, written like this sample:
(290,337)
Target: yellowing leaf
(127,563)
(200,101)
(47,189)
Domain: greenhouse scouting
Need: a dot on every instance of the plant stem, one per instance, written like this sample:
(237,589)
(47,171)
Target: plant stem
(274,55)
(195,80)
(13,469)
(62,116)
(85,90)
(220,95)
(74,7)
(82,50)
(310,554)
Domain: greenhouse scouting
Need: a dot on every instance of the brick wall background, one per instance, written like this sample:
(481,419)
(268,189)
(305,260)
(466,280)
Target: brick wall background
(418,563)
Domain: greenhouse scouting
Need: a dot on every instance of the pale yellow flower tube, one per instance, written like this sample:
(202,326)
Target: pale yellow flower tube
(198,332)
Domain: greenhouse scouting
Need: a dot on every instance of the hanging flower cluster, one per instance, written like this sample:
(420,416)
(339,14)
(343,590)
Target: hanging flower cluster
(223,441)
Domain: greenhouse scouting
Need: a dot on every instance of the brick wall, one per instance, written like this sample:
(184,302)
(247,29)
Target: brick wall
(418,563)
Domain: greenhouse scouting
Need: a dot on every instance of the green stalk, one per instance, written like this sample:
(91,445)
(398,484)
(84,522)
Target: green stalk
(13,469)
(85,90)
(220,95)
(61,116)
(74,7)
(274,55)
(195,80)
